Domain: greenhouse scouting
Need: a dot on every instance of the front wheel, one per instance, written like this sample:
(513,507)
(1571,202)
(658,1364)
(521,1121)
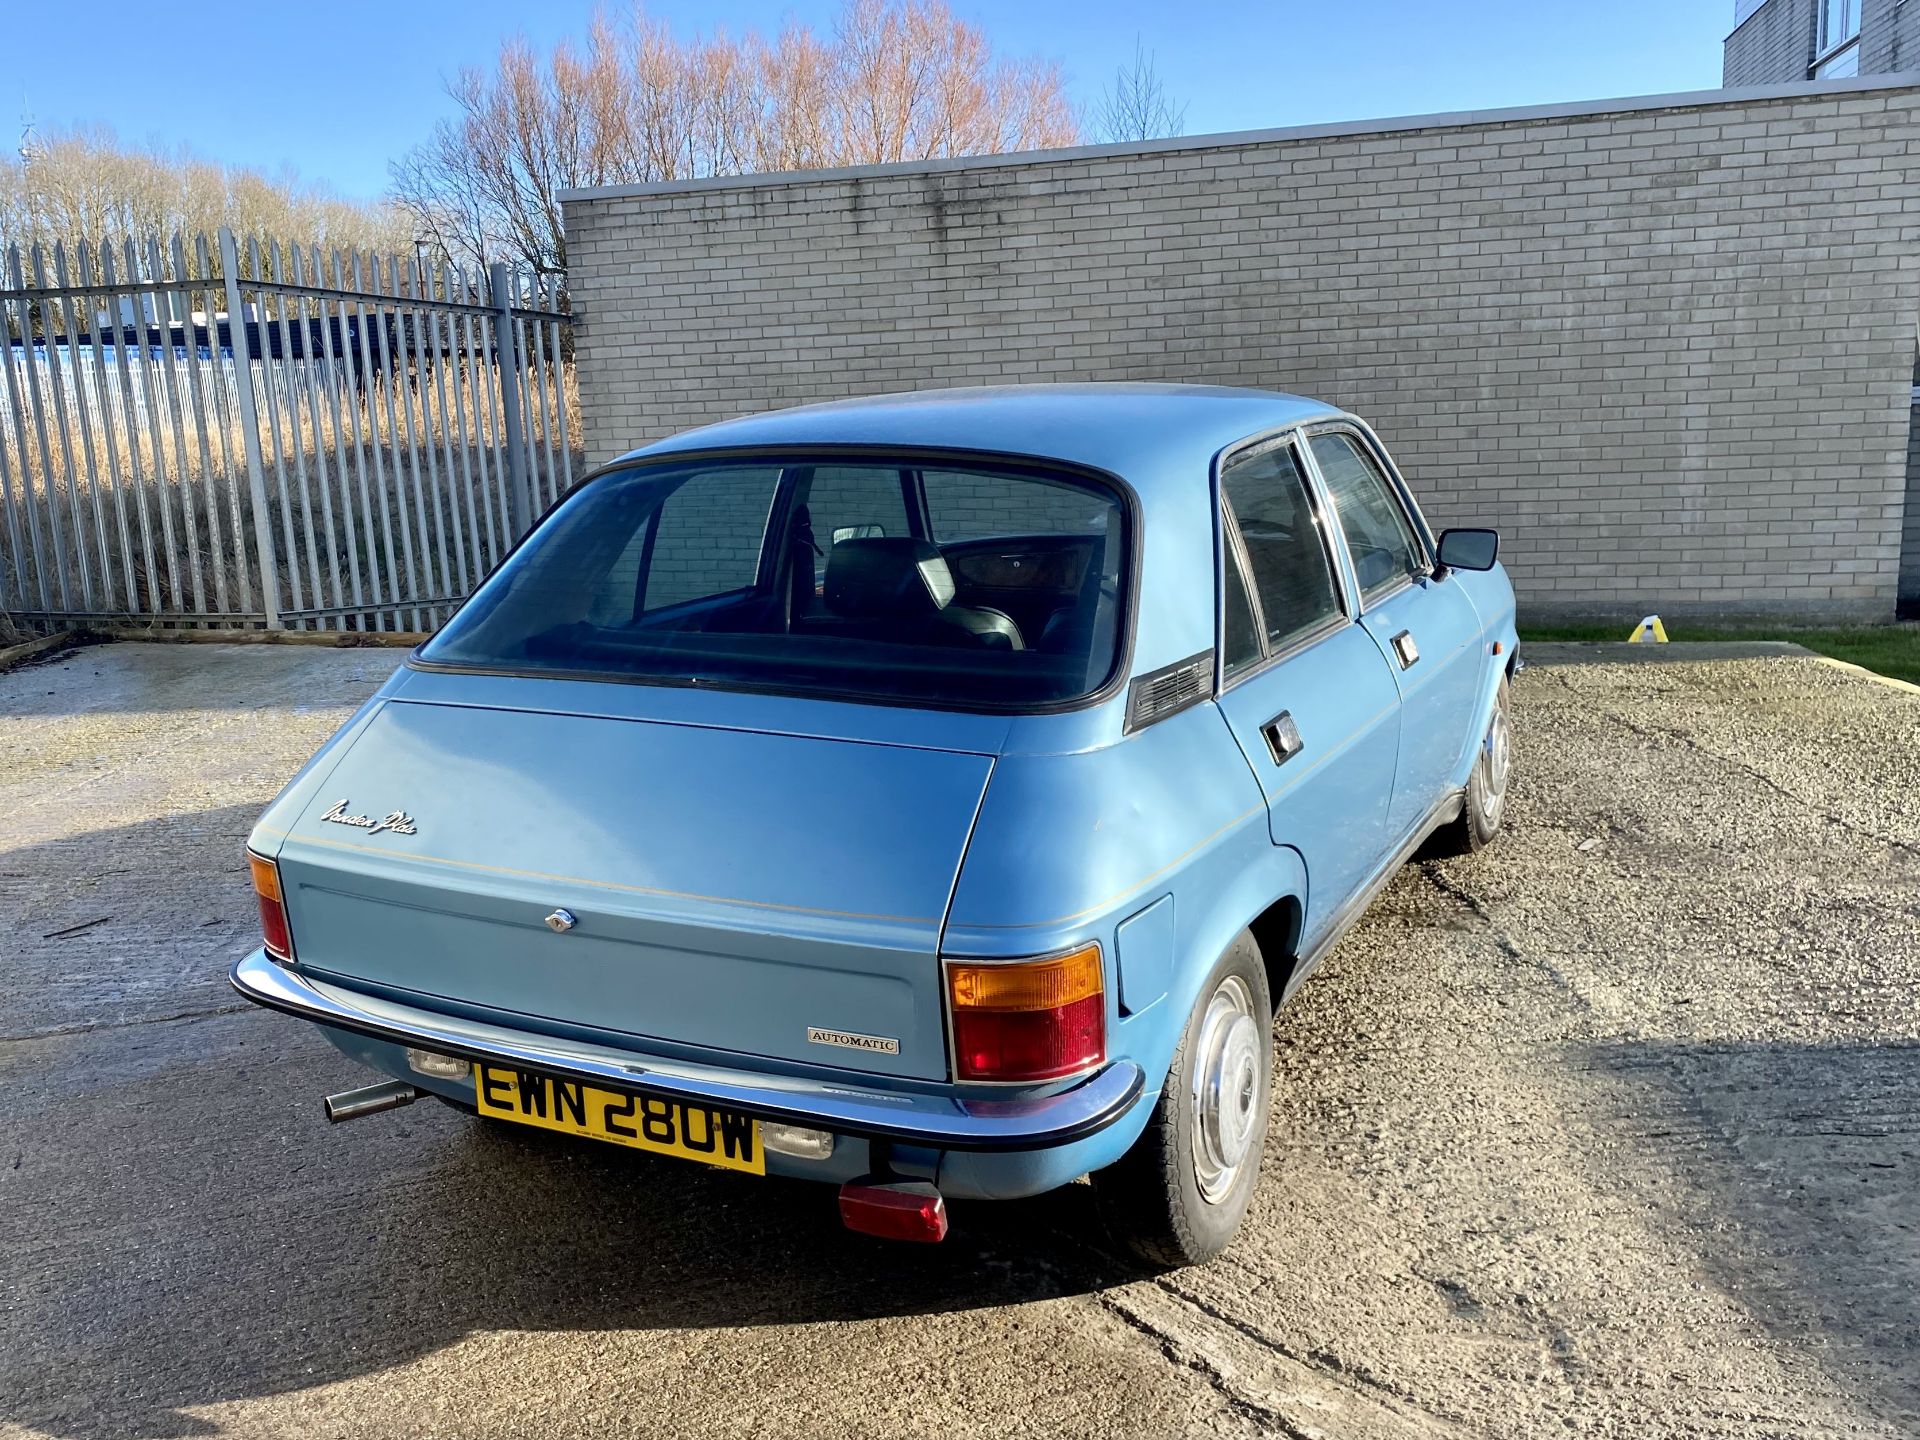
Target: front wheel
(1177,1197)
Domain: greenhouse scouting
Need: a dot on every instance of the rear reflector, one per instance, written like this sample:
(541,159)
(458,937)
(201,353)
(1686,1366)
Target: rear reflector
(273,909)
(894,1210)
(1028,1019)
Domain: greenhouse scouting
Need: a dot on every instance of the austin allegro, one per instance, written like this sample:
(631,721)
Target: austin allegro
(933,795)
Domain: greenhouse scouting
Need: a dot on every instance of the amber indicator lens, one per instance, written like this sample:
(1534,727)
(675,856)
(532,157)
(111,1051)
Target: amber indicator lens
(273,909)
(1029,1019)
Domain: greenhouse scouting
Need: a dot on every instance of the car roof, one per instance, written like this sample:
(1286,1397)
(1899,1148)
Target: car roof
(1145,433)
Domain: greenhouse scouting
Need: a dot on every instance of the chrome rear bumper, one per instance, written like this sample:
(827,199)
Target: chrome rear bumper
(940,1121)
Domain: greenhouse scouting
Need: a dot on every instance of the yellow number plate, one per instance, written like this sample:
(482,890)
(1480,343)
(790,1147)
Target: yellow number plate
(665,1127)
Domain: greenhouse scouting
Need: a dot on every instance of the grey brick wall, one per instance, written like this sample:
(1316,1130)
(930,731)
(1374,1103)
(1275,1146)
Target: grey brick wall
(1889,37)
(1910,547)
(1666,348)
(1772,46)
(1775,45)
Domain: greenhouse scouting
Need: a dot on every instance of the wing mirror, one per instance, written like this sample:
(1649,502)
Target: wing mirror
(1469,549)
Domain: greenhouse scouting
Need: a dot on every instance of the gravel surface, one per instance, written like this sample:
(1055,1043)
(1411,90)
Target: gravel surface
(1610,1130)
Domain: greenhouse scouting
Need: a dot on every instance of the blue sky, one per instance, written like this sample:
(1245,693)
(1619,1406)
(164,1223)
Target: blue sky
(335,91)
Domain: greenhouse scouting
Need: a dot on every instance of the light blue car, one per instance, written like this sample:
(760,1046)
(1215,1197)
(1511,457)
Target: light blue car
(933,795)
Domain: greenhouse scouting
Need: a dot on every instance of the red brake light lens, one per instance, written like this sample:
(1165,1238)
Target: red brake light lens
(273,909)
(1029,1019)
(899,1210)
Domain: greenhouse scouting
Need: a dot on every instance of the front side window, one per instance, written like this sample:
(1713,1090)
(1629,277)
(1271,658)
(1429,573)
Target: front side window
(845,501)
(1293,591)
(1386,549)
(813,576)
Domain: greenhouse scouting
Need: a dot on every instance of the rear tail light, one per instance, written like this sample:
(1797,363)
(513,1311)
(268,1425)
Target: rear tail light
(273,908)
(1028,1019)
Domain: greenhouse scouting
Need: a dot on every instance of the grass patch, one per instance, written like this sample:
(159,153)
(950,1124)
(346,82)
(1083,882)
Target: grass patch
(1888,649)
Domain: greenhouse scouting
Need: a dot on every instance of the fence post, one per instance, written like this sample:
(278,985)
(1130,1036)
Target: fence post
(507,346)
(249,427)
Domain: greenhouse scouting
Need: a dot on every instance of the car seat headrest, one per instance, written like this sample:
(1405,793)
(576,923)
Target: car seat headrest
(887,577)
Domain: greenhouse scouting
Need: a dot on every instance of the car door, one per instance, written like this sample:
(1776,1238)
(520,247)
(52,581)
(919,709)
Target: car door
(1426,628)
(1308,695)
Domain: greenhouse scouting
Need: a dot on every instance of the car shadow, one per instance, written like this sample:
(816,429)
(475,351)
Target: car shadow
(185,1230)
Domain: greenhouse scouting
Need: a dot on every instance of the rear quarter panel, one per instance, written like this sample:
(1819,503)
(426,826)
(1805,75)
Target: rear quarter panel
(1069,846)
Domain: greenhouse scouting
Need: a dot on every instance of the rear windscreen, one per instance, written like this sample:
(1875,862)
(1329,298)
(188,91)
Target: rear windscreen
(942,583)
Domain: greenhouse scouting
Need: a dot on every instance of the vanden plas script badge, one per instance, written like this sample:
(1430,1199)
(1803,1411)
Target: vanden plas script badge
(398,823)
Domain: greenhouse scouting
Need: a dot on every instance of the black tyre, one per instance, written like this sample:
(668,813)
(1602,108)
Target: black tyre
(1178,1196)
(1486,804)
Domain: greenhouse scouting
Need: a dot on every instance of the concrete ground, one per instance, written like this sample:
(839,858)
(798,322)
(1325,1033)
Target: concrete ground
(1611,1130)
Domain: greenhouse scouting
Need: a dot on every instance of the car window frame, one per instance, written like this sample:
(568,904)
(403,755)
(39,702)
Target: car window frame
(1380,595)
(1230,548)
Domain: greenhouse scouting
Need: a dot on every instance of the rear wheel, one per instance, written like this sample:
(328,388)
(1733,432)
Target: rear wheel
(1177,1197)
(1486,802)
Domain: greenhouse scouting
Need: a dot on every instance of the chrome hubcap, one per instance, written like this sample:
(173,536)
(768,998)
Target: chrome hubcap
(1226,1089)
(1496,755)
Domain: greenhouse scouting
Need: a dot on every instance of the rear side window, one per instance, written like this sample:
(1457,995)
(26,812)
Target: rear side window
(1293,590)
(709,538)
(813,576)
(963,506)
(1382,540)
(704,541)
(1241,638)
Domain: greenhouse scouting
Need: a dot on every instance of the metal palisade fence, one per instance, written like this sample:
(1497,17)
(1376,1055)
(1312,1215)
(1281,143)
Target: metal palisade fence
(230,433)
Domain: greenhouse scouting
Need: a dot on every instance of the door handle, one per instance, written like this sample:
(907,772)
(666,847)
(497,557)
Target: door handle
(1405,649)
(1282,737)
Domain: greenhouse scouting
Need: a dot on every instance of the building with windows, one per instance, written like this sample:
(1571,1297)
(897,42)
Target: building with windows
(1777,42)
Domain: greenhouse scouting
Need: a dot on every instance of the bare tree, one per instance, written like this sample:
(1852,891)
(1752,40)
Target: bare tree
(917,84)
(798,83)
(894,80)
(78,185)
(1136,105)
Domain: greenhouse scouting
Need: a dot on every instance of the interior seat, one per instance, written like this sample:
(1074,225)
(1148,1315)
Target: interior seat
(899,588)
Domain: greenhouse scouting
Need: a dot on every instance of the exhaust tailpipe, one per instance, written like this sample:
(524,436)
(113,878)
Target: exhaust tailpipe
(369,1100)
